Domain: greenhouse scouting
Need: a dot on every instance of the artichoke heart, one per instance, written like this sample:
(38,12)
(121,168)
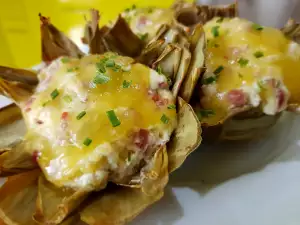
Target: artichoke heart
(97,119)
(248,67)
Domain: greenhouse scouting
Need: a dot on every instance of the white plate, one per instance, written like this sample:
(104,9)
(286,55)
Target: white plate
(210,188)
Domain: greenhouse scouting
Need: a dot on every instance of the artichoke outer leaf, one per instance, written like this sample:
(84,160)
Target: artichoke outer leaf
(117,206)
(24,76)
(292,30)
(54,204)
(17,198)
(197,63)
(55,43)
(186,137)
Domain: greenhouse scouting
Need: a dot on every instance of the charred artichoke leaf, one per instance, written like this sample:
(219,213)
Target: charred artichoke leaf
(117,206)
(9,114)
(169,61)
(54,204)
(15,90)
(16,160)
(20,75)
(17,198)
(182,70)
(292,30)
(197,50)
(188,15)
(94,35)
(122,37)
(151,52)
(55,43)
(186,137)
(12,127)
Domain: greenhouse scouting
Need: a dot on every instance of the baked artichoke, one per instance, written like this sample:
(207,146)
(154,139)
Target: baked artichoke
(103,132)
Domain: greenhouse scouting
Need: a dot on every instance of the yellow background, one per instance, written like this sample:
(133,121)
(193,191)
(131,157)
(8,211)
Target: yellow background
(19,23)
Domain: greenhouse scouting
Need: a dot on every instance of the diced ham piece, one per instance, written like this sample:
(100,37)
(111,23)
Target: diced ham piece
(64,115)
(281,99)
(142,21)
(141,139)
(237,98)
(35,156)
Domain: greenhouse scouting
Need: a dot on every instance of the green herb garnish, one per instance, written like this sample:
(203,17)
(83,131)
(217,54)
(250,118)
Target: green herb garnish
(219,70)
(110,63)
(220,20)
(261,85)
(243,62)
(126,84)
(258,54)
(150,10)
(113,118)
(172,106)
(216,45)
(87,141)
(143,37)
(209,80)
(240,75)
(133,7)
(65,60)
(45,103)
(256,26)
(80,115)
(205,113)
(101,79)
(215,31)
(159,69)
(164,119)
(54,94)
(67,98)
(100,67)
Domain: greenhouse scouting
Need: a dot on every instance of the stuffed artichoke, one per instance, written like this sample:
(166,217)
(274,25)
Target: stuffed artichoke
(103,132)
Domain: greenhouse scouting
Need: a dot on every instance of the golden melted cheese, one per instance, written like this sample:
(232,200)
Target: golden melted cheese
(148,20)
(259,61)
(56,132)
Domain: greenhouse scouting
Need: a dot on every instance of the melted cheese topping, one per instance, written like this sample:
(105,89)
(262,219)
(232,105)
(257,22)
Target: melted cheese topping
(248,66)
(61,137)
(147,20)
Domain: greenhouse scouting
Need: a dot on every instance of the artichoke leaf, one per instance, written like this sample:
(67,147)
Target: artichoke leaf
(196,65)
(15,90)
(122,37)
(186,137)
(17,198)
(292,30)
(9,114)
(55,43)
(182,70)
(117,206)
(20,75)
(94,35)
(54,204)
(169,61)
(151,52)
(16,160)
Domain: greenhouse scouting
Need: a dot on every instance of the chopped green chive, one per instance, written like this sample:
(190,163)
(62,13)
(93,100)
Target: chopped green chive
(126,84)
(215,31)
(159,69)
(172,106)
(101,79)
(133,7)
(65,60)
(241,75)
(219,70)
(261,85)
(110,63)
(100,67)
(80,115)
(87,141)
(243,62)
(164,119)
(220,20)
(143,37)
(54,94)
(256,26)
(258,54)
(150,10)
(216,45)
(67,98)
(113,118)
(209,80)
(127,10)
(45,103)
(205,113)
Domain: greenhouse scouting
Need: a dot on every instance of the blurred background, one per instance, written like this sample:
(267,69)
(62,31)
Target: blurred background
(19,21)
